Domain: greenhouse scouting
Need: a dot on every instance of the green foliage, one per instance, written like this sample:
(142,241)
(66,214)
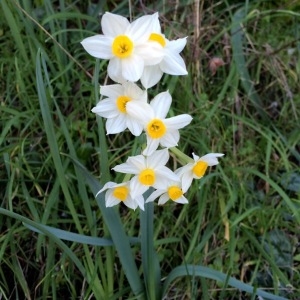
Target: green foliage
(240,230)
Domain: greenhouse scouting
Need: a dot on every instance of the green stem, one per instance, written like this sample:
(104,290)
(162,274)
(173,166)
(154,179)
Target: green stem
(150,263)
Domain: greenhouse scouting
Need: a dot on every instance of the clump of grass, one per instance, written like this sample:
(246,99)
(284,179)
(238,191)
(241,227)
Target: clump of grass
(243,217)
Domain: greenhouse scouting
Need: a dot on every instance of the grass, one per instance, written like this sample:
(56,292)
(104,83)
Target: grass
(243,217)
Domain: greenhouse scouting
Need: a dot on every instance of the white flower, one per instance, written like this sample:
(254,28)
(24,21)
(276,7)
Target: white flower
(159,130)
(149,171)
(197,168)
(117,193)
(114,108)
(171,191)
(172,63)
(126,45)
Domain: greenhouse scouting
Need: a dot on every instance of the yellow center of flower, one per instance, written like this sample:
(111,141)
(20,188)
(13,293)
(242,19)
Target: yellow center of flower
(174,192)
(121,193)
(121,103)
(147,177)
(155,37)
(156,129)
(200,168)
(122,46)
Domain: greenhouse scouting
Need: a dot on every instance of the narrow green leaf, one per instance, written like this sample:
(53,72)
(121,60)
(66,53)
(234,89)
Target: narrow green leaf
(199,271)
(150,261)
(15,29)
(49,128)
(237,41)
(44,230)
(78,238)
(115,226)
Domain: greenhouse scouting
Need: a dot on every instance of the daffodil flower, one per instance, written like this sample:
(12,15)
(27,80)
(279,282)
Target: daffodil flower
(126,45)
(171,191)
(114,107)
(172,63)
(159,129)
(117,193)
(196,169)
(149,171)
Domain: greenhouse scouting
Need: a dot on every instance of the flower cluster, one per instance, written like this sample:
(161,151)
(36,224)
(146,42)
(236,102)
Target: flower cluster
(138,51)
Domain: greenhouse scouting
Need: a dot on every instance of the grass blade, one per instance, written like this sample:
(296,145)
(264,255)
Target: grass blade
(237,38)
(115,226)
(199,271)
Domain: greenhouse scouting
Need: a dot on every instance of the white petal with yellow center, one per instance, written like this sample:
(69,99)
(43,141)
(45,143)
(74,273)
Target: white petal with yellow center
(114,108)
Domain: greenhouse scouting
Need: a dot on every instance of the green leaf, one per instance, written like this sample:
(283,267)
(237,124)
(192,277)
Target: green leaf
(199,271)
(150,260)
(78,238)
(237,42)
(45,231)
(115,227)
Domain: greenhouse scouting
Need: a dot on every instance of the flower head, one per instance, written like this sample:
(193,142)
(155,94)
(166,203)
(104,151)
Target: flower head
(159,129)
(117,193)
(197,168)
(114,107)
(126,45)
(172,63)
(149,171)
(171,191)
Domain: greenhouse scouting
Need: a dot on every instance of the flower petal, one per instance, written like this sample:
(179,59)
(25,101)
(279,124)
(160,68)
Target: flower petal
(178,122)
(151,76)
(137,162)
(113,25)
(170,139)
(151,52)
(106,108)
(182,200)
(137,189)
(133,91)
(187,179)
(98,46)
(152,145)
(116,125)
(166,173)
(154,195)
(140,111)
(163,199)
(132,68)
(195,157)
(134,127)
(112,91)
(114,70)
(177,46)
(140,202)
(158,158)
(161,104)
(141,28)
(133,165)
(211,158)
(108,185)
(129,202)
(173,64)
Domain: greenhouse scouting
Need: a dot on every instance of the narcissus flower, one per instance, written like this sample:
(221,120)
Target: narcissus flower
(149,171)
(171,191)
(126,45)
(117,193)
(158,129)
(197,168)
(172,63)
(114,108)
